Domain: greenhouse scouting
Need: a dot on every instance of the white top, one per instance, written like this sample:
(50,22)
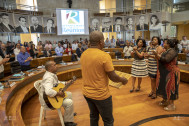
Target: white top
(16,52)
(128,51)
(25,30)
(1,66)
(48,82)
(74,46)
(184,43)
(187,48)
(156,27)
(65,46)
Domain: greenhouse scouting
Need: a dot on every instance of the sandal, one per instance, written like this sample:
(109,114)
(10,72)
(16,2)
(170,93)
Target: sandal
(150,95)
(154,96)
(132,90)
(138,89)
(163,103)
(170,107)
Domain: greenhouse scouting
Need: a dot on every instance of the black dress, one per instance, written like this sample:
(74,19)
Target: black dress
(168,75)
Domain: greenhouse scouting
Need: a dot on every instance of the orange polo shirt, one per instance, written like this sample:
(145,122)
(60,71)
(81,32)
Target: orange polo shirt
(94,65)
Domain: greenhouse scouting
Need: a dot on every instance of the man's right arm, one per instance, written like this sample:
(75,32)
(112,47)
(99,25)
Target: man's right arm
(115,78)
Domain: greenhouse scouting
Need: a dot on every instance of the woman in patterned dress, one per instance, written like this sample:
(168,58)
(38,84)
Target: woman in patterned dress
(152,64)
(168,75)
(139,67)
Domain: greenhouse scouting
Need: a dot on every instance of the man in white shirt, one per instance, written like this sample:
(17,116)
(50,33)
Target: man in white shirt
(50,79)
(74,45)
(22,28)
(127,50)
(2,61)
(187,54)
(184,42)
(59,50)
(17,51)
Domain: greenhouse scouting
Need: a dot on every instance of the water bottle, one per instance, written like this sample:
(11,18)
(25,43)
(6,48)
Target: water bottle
(116,57)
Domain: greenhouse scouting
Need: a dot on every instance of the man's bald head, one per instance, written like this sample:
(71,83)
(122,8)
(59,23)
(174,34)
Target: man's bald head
(51,66)
(95,38)
(22,49)
(48,64)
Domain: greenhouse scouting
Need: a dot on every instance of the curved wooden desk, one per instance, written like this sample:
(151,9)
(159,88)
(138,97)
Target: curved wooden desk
(13,98)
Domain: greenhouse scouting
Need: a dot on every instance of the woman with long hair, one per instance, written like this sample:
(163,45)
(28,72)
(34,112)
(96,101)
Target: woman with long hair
(139,67)
(154,23)
(168,75)
(152,63)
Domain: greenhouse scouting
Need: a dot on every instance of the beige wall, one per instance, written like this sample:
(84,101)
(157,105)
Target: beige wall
(183,30)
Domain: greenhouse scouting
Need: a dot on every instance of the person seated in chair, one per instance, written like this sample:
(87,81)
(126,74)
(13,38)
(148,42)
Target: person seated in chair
(50,79)
(47,52)
(24,59)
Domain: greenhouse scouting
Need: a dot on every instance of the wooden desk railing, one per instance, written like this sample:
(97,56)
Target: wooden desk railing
(113,49)
(181,56)
(13,98)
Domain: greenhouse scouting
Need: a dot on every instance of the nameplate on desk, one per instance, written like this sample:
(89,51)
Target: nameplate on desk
(69,63)
(12,84)
(30,74)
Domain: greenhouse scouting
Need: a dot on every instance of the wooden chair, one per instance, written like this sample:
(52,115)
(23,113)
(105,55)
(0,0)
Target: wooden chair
(37,85)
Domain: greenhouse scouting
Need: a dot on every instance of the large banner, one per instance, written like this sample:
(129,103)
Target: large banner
(106,24)
(6,23)
(21,23)
(118,24)
(130,23)
(36,24)
(142,22)
(155,21)
(49,25)
(94,24)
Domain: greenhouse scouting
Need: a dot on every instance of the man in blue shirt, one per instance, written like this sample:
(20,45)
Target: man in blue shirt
(59,50)
(24,59)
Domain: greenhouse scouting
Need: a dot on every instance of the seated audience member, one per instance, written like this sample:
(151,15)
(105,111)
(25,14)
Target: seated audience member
(79,50)
(54,45)
(59,50)
(65,44)
(107,43)
(47,52)
(3,51)
(179,47)
(2,61)
(50,79)
(1,43)
(84,46)
(10,48)
(184,42)
(74,45)
(127,50)
(28,48)
(25,44)
(48,43)
(112,44)
(39,46)
(24,59)
(187,54)
(117,43)
(121,43)
(33,51)
(20,43)
(69,49)
(17,51)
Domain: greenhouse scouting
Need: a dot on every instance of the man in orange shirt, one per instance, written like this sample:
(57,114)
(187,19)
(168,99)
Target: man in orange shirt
(97,68)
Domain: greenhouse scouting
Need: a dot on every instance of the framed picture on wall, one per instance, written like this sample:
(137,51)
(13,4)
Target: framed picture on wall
(6,23)
(130,23)
(142,23)
(106,24)
(36,24)
(118,24)
(49,24)
(21,23)
(155,21)
(94,24)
